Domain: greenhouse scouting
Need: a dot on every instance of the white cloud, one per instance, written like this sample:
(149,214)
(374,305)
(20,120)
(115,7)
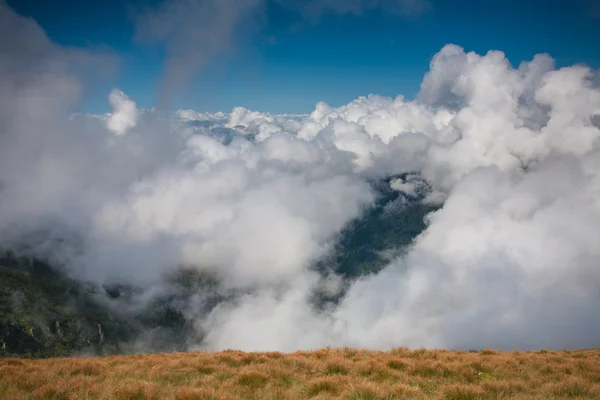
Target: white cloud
(236,211)
(191,115)
(124,115)
(510,259)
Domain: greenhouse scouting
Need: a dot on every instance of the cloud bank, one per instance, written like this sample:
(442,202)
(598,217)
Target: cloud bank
(255,200)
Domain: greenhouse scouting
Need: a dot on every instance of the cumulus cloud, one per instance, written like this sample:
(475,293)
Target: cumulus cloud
(216,208)
(484,275)
(124,115)
(256,200)
(508,261)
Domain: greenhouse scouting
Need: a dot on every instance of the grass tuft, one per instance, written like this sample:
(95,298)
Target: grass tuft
(323,385)
(253,380)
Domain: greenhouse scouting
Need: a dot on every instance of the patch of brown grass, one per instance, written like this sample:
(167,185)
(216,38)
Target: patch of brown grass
(327,385)
(324,374)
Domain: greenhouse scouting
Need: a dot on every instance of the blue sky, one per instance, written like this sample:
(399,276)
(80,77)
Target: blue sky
(288,64)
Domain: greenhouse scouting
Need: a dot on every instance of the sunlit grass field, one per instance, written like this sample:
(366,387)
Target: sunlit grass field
(323,374)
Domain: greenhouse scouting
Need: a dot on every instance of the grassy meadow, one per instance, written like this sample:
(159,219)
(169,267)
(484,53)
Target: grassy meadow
(323,374)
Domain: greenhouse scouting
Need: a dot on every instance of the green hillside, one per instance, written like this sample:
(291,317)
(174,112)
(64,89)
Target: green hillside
(45,315)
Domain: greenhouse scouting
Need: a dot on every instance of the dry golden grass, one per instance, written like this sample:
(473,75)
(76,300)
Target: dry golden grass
(323,374)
